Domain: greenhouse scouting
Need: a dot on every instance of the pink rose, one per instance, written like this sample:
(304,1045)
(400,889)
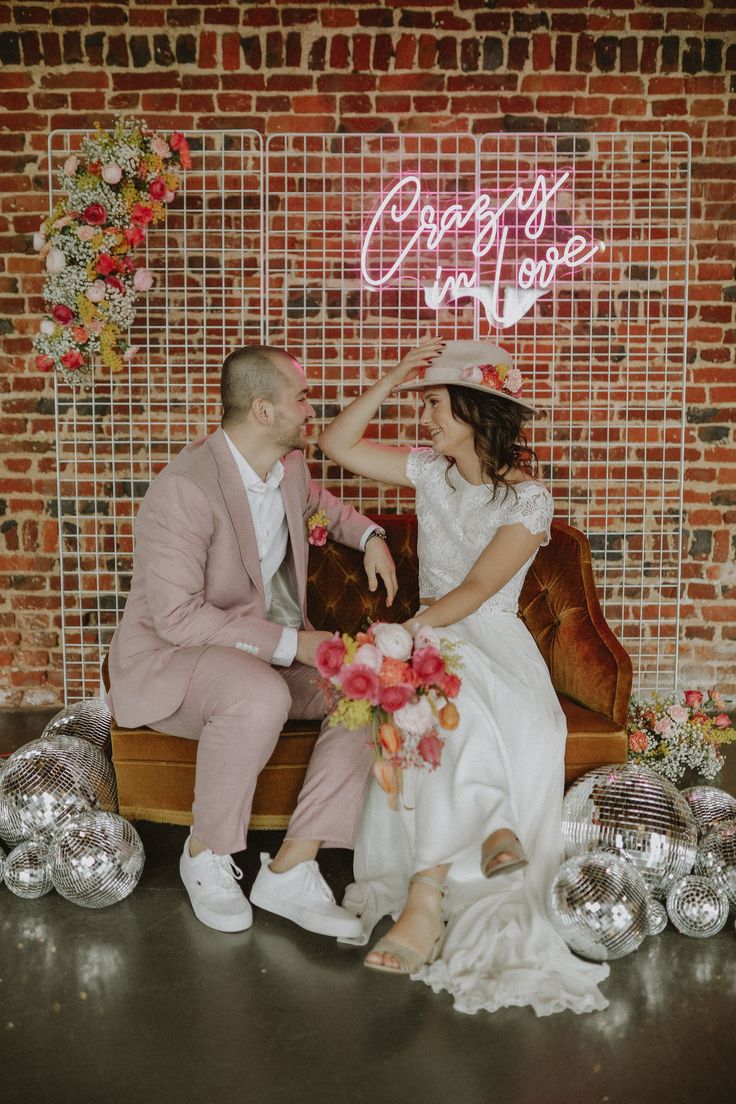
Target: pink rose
(318,536)
(62,314)
(369,656)
(638,740)
(330,656)
(430,749)
(86,233)
(143,279)
(693,698)
(395,697)
(112,173)
(73,359)
(428,665)
(157,188)
(722,721)
(95,214)
(359,682)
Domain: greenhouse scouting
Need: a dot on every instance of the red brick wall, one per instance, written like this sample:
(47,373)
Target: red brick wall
(381,65)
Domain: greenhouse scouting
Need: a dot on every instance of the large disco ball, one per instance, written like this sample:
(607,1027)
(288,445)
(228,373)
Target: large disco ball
(639,813)
(28,869)
(716,858)
(696,907)
(2,864)
(97,859)
(88,720)
(47,781)
(599,904)
(709,806)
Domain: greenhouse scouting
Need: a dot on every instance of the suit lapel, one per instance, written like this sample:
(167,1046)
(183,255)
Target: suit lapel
(238,508)
(298,547)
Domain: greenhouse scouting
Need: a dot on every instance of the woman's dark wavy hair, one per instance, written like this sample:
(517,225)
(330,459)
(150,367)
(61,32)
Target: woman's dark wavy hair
(498,432)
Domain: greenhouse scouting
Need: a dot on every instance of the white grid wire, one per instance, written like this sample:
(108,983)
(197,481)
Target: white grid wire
(271,252)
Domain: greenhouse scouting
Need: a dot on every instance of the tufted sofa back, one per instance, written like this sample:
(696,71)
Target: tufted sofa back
(559,606)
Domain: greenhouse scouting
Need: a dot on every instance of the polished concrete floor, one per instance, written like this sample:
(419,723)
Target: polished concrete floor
(139,1002)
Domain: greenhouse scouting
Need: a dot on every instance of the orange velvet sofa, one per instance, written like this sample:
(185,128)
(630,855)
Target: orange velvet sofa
(590,671)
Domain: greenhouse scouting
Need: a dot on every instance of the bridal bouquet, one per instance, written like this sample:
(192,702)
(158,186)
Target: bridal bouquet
(401,687)
(680,731)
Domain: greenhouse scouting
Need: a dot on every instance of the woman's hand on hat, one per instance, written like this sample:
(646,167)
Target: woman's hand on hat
(412,363)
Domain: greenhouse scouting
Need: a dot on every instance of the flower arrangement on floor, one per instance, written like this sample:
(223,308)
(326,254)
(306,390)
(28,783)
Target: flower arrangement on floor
(401,687)
(117,185)
(681,731)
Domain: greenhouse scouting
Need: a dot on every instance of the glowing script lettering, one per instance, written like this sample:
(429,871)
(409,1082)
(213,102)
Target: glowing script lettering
(406,214)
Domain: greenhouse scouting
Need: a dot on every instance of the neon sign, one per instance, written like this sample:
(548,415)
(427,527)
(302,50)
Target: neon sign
(424,226)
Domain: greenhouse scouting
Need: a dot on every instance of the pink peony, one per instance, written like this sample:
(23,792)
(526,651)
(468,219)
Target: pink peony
(395,697)
(428,665)
(95,214)
(143,279)
(330,656)
(693,698)
(369,656)
(318,536)
(73,359)
(112,173)
(157,188)
(392,640)
(638,740)
(62,314)
(359,682)
(430,749)
(722,721)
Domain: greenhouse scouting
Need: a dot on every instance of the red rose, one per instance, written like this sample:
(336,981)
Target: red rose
(395,697)
(693,697)
(359,682)
(113,282)
(330,656)
(158,188)
(430,749)
(95,214)
(141,214)
(73,359)
(44,363)
(105,264)
(722,721)
(449,685)
(133,235)
(428,665)
(318,536)
(62,314)
(638,740)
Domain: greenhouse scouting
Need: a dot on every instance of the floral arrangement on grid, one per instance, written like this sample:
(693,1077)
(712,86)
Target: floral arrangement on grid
(401,688)
(680,732)
(117,186)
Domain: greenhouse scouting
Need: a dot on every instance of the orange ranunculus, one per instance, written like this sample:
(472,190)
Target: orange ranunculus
(389,738)
(79,334)
(449,716)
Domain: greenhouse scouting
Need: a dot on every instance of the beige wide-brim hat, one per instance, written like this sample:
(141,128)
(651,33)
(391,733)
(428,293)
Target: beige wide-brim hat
(460,364)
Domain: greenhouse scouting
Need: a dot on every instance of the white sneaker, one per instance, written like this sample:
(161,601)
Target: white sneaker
(212,884)
(302,895)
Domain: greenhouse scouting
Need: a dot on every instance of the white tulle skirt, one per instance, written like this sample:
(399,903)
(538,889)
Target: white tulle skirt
(503,767)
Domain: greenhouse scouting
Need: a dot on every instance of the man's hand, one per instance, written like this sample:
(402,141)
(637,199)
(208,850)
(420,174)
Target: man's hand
(307,644)
(379,561)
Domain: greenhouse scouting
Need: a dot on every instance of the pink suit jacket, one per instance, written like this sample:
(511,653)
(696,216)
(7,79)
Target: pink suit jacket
(197,578)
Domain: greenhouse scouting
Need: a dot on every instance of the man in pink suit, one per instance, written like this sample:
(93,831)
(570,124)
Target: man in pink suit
(214,643)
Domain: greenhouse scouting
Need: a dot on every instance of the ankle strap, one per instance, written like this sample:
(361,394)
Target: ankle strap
(426,880)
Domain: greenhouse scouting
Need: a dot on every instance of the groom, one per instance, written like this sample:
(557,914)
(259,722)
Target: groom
(214,644)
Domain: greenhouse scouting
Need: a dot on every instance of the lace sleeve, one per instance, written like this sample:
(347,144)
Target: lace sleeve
(532,507)
(418,463)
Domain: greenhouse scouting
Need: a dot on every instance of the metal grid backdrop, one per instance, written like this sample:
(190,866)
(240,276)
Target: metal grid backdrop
(269,248)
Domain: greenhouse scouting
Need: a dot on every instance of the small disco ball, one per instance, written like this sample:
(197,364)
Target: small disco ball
(709,806)
(639,813)
(697,907)
(88,720)
(47,781)
(28,869)
(2,864)
(656,916)
(97,859)
(716,859)
(599,904)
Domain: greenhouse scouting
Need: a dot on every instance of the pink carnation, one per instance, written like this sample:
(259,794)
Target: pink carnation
(638,740)
(663,726)
(359,682)
(395,697)
(428,665)
(330,656)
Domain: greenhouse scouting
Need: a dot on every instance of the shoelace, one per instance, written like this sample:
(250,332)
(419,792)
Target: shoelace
(317,884)
(225,870)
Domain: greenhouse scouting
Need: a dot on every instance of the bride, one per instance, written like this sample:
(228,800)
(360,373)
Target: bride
(463,866)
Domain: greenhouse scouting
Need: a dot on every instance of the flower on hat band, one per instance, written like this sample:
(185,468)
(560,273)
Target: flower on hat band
(496,377)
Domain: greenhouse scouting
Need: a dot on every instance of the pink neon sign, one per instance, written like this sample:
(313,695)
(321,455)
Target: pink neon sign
(487,228)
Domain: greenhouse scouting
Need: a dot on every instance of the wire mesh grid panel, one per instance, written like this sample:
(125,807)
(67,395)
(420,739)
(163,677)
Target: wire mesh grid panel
(571,251)
(116,433)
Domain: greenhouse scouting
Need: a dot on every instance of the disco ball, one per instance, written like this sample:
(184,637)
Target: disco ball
(88,720)
(47,781)
(97,859)
(2,864)
(28,869)
(709,806)
(639,813)
(716,859)
(697,907)
(656,916)
(599,904)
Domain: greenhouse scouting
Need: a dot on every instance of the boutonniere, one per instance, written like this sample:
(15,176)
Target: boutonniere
(317,525)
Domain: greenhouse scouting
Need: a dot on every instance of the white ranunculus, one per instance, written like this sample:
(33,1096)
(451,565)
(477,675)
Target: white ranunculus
(416,718)
(369,656)
(47,327)
(392,640)
(111,173)
(39,240)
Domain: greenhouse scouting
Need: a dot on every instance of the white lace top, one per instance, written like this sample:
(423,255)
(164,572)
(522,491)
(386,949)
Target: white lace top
(459,519)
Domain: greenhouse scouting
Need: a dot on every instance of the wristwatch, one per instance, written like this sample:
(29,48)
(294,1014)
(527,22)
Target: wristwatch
(380,533)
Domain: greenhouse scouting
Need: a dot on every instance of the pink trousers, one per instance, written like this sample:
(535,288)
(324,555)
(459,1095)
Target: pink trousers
(236,706)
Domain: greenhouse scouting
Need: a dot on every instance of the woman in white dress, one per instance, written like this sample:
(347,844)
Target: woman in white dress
(465,863)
